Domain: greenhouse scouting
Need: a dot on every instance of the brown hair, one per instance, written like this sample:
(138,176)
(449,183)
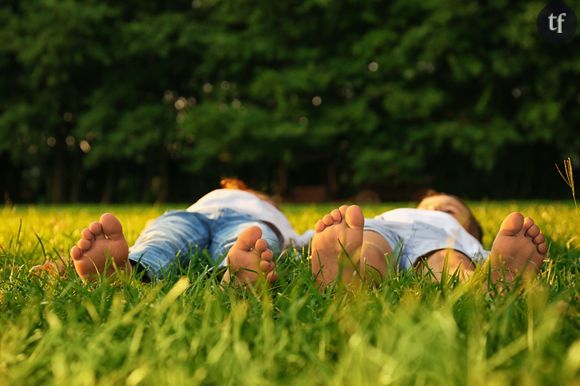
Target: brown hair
(237,184)
(473,227)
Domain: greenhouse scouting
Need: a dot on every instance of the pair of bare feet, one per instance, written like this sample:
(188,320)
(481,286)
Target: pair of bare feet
(103,247)
(519,247)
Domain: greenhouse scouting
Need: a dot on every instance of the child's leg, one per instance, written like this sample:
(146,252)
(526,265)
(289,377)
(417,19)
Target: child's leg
(519,249)
(249,258)
(336,246)
(245,245)
(347,244)
(448,261)
(170,239)
(226,230)
(101,242)
(376,256)
(349,247)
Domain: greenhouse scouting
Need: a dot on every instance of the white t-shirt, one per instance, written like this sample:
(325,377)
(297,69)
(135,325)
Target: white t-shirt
(422,231)
(249,203)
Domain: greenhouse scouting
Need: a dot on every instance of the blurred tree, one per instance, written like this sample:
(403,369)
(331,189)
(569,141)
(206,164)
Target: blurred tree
(153,100)
(45,45)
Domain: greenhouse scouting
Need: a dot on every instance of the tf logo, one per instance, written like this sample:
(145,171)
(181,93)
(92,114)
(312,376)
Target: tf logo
(556,23)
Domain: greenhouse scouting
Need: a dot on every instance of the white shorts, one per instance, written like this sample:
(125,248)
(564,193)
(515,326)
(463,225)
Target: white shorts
(414,233)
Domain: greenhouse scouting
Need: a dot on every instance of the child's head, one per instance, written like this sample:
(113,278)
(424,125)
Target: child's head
(456,207)
(237,184)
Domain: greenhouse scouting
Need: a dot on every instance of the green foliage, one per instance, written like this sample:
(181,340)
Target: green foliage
(186,330)
(381,89)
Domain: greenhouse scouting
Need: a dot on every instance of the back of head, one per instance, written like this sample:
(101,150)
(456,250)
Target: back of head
(237,184)
(233,183)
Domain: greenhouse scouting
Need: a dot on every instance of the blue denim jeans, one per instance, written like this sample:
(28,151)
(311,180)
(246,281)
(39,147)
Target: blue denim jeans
(172,238)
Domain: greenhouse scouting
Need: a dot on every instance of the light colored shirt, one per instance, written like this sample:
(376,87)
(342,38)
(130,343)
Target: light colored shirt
(422,231)
(248,203)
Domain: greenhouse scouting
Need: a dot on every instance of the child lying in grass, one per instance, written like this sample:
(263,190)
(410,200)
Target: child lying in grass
(236,222)
(440,235)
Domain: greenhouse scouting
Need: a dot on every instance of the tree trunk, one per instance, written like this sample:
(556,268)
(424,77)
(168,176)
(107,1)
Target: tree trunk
(331,179)
(75,187)
(56,183)
(108,186)
(164,183)
(282,184)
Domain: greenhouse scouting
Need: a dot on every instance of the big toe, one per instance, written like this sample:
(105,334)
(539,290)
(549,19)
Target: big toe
(248,238)
(354,217)
(112,226)
(512,224)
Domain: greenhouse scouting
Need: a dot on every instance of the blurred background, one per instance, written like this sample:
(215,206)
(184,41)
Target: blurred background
(154,101)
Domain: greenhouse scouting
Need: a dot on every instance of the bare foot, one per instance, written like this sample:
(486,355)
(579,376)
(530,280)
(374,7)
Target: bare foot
(336,245)
(519,249)
(100,242)
(249,258)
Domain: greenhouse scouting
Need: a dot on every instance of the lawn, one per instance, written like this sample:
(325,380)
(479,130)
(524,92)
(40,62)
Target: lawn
(186,330)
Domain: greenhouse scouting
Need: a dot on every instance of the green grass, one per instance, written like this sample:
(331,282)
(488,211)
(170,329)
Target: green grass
(408,331)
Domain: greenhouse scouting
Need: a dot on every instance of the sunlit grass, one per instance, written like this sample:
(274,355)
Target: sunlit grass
(186,330)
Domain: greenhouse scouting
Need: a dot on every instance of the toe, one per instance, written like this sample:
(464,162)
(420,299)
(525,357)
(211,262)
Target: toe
(538,261)
(327,220)
(112,227)
(272,276)
(533,231)
(512,224)
(266,266)
(336,215)
(261,245)
(342,209)
(87,234)
(247,239)
(267,255)
(84,244)
(539,239)
(97,230)
(354,217)
(76,253)
(319,227)
(543,248)
(528,222)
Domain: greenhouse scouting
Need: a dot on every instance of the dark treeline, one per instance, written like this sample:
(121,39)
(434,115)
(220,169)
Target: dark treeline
(120,101)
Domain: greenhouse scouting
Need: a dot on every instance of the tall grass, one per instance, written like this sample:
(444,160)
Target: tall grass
(568,177)
(186,330)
